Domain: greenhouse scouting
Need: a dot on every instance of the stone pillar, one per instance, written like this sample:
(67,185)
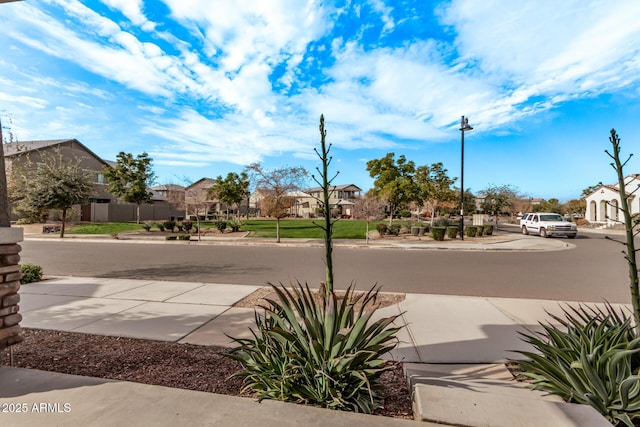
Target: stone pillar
(9,285)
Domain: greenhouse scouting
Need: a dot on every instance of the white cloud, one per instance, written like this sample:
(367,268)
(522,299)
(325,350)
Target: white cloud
(132,9)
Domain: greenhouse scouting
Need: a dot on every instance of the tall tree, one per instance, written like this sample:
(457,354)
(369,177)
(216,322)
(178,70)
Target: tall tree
(231,190)
(434,186)
(498,199)
(130,178)
(275,186)
(393,181)
(54,182)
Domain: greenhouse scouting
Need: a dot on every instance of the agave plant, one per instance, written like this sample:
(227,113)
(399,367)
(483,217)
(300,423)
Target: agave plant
(325,353)
(592,358)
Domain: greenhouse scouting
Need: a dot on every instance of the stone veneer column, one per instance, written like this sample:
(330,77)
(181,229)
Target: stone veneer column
(9,285)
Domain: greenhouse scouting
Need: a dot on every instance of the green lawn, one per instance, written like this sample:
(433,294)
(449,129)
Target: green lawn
(304,228)
(104,228)
(289,228)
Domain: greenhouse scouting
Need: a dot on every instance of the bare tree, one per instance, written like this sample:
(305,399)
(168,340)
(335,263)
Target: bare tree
(368,208)
(275,185)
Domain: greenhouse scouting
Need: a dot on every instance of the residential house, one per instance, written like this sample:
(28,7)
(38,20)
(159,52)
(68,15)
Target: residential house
(603,204)
(103,206)
(341,201)
(198,199)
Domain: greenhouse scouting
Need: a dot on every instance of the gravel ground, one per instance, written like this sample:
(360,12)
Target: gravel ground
(191,367)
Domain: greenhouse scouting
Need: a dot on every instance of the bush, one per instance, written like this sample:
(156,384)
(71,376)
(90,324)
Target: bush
(325,353)
(31,273)
(405,214)
(452,231)
(147,226)
(592,358)
(442,222)
(170,237)
(184,236)
(234,225)
(471,231)
(382,229)
(187,226)
(394,229)
(488,229)
(438,233)
(160,226)
(169,225)
(221,225)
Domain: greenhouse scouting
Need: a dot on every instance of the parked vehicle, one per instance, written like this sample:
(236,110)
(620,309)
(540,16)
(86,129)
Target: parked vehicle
(548,224)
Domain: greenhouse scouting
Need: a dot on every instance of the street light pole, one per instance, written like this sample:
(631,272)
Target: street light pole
(464,126)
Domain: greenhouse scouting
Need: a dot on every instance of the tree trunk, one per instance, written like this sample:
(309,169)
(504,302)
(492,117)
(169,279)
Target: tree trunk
(64,221)
(138,214)
(278,230)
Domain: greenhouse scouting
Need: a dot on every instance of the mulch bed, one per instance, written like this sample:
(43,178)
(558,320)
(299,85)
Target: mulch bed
(185,366)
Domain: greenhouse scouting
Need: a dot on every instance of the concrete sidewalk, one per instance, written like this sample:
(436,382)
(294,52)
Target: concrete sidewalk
(463,340)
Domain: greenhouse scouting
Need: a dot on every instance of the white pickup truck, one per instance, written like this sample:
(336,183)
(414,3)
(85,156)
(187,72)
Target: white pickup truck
(548,224)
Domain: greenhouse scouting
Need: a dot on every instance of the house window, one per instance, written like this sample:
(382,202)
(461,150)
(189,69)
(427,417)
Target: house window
(101,179)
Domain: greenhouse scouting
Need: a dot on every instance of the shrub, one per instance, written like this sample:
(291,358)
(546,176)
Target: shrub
(394,229)
(581,222)
(442,222)
(471,231)
(438,233)
(405,214)
(488,229)
(169,225)
(221,225)
(147,226)
(592,358)
(160,226)
(184,236)
(234,225)
(187,225)
(31,273)
(170,237)
(452,231)
(325,353)
(382,229)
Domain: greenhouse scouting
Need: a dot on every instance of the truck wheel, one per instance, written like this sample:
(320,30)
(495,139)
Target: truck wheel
(525,231)
(543,233)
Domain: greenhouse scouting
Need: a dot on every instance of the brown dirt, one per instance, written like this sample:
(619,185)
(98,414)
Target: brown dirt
(186,366)
(257,298)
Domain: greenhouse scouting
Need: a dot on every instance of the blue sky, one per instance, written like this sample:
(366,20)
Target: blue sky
(207,87)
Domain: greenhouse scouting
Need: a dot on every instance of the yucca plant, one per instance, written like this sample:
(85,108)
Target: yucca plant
(592,358)
(324,353)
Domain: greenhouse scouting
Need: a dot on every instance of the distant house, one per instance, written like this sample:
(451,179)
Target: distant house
(341,200)
(103,206)
(198,200)
(604,202)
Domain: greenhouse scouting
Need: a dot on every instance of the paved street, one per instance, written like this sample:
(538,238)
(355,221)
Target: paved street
(594,270)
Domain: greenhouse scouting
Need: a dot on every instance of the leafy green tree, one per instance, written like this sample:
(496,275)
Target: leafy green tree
(130,178)
(394,181)
(468,202)
(54,182)
(231,190)
(275,185)
(433,186)
(551,205)
(587,191)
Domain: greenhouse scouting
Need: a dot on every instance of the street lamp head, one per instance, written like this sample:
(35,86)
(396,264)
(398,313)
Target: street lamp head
(464,124)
